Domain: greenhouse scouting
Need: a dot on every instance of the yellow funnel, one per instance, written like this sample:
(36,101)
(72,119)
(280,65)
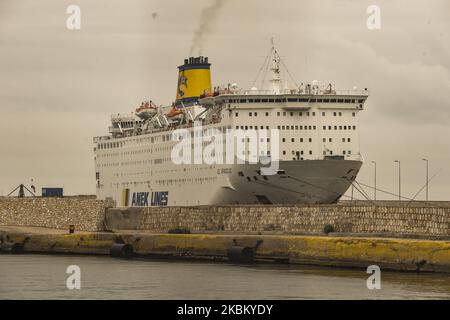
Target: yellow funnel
(194,80)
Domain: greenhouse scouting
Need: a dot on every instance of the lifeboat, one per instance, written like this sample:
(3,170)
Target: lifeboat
(207,93)
(175,114)
(147,110)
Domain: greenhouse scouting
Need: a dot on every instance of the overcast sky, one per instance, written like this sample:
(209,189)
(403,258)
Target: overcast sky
(59,87)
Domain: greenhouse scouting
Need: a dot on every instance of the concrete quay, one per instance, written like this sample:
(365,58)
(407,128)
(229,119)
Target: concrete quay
(354,252)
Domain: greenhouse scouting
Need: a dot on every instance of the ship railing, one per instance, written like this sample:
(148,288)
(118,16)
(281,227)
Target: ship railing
(123,117)
(132,133)
(320,92)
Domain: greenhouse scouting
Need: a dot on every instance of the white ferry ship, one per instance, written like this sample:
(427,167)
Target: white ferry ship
(318,144)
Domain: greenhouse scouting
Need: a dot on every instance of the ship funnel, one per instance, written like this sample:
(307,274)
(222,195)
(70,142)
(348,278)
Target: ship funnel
(194,80)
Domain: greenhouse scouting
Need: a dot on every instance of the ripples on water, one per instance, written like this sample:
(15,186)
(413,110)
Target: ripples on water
(44,277)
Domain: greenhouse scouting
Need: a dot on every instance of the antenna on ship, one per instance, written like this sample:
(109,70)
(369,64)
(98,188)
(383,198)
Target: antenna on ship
(275,69)
(274,62)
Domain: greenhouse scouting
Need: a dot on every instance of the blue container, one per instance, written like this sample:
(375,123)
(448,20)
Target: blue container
(52,192)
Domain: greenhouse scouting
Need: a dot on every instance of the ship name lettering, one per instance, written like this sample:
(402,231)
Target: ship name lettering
(140,199)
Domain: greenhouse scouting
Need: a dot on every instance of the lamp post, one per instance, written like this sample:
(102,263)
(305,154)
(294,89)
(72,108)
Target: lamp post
(375,180)
(399,180)
(427,165)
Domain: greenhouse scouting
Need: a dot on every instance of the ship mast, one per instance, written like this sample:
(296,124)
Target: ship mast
(272,64)
(275,69)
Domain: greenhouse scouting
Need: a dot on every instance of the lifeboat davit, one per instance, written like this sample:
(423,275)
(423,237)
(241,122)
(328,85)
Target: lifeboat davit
(147,110)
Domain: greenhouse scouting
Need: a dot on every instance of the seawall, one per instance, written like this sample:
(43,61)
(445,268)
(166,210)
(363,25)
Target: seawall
(369,219)
(390,221)
(84,213)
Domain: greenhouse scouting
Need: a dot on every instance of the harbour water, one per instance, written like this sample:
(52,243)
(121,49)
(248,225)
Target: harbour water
(44,277)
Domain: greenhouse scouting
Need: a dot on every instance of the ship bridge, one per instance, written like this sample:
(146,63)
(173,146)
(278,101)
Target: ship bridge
(288,99)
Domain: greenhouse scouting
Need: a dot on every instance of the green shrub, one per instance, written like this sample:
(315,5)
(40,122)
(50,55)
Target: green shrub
(328,229)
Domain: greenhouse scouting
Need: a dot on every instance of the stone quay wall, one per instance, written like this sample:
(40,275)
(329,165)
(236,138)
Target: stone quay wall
(85,213)
(356,219)
(88,214)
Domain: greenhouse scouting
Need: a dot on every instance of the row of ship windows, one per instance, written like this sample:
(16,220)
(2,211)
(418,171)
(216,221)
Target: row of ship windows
(168,182)
(136,152)
(161,138)
(298,157)
(127,124)
(156,172)
(297,127)
(324,140)
(292,114)
(330,152)
(301,153)
(160,161)
(134,163)
(313,100)
(164,138)
(248,152)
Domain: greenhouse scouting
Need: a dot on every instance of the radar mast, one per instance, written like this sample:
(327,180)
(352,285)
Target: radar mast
(275,69)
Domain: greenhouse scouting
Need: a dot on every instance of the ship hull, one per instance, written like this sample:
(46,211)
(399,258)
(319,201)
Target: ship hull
(297,182)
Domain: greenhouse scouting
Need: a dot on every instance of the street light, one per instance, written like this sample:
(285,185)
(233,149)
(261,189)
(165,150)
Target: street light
(375,178)
(427,164)
(399,180)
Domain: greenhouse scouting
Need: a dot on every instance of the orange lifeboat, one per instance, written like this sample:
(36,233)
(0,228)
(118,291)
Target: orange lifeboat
(147,110)
(175,113)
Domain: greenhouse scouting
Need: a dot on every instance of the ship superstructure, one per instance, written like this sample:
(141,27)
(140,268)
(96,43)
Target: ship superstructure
(316,146)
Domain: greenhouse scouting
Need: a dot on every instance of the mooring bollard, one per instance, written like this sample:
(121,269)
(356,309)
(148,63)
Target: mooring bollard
(72,229)
(121,250)
(11,248)
(242,254)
